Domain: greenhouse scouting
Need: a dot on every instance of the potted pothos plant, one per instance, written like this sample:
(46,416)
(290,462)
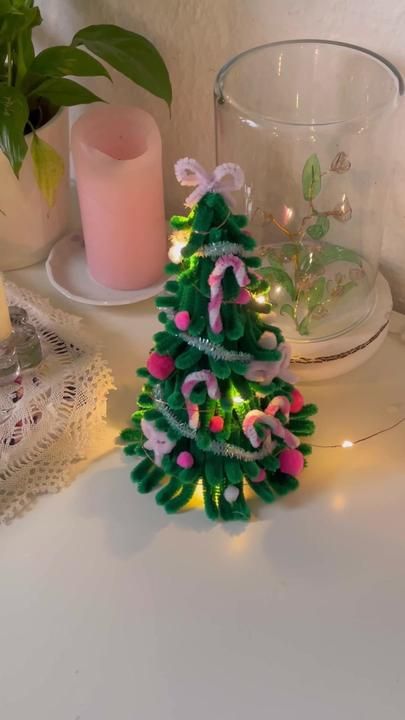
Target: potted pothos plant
(36,91)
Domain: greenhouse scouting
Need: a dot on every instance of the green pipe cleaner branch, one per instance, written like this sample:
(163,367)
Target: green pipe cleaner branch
(217,410)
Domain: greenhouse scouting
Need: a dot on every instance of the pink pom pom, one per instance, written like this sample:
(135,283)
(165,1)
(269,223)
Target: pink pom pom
(260,477)
(243,297)
(291,462)
(160,366)
(185,460)
(182,320)
(297,401)
(216,424)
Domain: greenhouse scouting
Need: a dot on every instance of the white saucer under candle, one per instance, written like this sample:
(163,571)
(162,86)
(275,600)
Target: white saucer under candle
(324,359)
(68,272)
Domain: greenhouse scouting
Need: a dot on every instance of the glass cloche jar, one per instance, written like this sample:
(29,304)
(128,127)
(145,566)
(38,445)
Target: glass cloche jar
(311,124)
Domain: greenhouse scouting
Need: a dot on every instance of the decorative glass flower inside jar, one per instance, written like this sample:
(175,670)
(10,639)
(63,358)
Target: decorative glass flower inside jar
(311,123)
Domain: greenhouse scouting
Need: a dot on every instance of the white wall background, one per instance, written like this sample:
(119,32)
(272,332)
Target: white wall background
(197,36)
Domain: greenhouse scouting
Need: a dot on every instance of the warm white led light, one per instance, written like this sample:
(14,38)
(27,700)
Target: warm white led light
(238,400)
(261,299)
(175,252)
(347,444)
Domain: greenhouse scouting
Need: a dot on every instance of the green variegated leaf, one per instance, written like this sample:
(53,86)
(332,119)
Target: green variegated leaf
(14,22)
(13,117)
(66,60)
(63,92)
(131,54)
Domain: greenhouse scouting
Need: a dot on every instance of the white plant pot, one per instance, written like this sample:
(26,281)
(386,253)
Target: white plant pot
(29,227)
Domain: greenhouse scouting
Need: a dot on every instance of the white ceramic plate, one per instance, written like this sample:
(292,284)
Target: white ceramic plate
(67,271)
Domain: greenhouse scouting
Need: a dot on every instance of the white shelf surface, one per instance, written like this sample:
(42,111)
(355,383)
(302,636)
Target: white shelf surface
(112,610)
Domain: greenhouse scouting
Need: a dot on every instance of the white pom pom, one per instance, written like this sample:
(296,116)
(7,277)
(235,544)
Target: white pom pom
(231,493)
(268,340)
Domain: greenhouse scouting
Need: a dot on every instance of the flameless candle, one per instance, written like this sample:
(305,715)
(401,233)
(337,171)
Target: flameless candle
(117,156)
(5,323)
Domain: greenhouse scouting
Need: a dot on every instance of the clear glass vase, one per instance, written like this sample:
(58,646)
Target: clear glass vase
(311,122)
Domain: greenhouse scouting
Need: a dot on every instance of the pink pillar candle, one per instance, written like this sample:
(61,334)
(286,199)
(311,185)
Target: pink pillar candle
(117,154)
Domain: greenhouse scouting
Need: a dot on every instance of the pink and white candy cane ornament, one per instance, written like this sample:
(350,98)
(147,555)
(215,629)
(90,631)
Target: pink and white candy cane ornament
(215,283)
(274,425)
(280,402)
(225,179)
(187,388)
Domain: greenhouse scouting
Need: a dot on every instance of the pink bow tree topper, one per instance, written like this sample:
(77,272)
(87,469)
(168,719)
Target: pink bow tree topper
(226,179)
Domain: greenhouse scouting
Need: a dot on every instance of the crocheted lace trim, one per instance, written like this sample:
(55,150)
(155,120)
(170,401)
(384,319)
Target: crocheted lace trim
(52,420)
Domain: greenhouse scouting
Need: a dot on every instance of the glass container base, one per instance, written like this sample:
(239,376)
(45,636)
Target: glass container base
(9,365)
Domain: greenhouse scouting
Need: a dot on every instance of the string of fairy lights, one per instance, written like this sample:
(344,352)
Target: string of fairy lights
(345,444)
(178,242)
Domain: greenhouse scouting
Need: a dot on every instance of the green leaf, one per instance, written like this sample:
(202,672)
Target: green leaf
(310,263)
(129,53)
(346,287)
(335,253)
(319,229)
(12,23)
(274,259)
(22,4)
(48,168)
(64,92)
(276,274)
(304,326)
(316,293)
(24,56)
(17,18)
(5,7)
(311,178)
(287,310)
(13,117)
(289,250)
(66,60)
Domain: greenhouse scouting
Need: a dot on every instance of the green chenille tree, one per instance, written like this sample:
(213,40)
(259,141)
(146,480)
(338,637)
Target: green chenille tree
(217,408)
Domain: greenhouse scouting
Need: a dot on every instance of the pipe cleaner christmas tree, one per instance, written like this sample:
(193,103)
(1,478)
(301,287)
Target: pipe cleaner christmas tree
(218,407)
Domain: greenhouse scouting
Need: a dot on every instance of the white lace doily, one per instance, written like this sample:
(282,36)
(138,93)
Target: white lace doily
(52,419)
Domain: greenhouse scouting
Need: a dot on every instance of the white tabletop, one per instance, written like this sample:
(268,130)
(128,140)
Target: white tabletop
(112,610)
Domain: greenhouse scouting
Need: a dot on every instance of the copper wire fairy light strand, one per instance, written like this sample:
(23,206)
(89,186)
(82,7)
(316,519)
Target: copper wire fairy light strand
(350,443)
(345,444)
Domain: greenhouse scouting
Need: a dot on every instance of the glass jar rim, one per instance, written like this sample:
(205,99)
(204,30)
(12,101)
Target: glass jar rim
(222,73)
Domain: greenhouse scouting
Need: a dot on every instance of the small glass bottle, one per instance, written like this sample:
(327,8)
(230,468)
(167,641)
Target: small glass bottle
(9,365)
(28,346)
(18,315)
